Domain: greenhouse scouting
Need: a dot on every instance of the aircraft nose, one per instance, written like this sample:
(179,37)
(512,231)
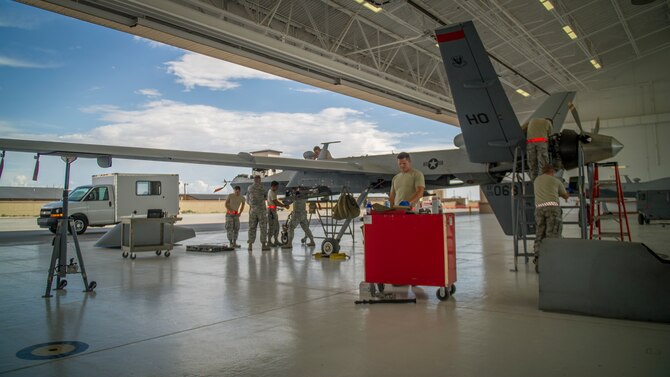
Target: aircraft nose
(616,146)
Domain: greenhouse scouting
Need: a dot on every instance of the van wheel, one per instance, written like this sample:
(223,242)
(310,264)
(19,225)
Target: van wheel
(80,224)
(53,229)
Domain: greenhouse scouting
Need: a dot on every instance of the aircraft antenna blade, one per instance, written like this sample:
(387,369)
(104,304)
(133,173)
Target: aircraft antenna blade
(2,162)
(36,172)
(597,128)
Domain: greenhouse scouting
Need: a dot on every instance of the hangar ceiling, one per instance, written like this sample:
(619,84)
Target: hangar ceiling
(384,51)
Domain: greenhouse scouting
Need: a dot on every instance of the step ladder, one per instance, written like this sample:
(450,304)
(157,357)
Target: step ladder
(596,211)
(523,209)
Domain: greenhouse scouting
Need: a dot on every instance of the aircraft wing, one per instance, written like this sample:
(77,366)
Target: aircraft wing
(491,130)
(242,159)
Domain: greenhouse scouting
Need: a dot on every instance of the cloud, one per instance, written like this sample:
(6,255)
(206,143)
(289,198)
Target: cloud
(199,70)
(148,92)
(169,124)
(308,90)
(18,63)
(152,43)
(20,180)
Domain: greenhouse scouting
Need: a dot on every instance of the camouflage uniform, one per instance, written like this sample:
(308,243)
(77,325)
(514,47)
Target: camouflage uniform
(273,219)
(299,217)
(234,204)
(538,157)
(257,213)
(548,214)
(549,221)
(537,147)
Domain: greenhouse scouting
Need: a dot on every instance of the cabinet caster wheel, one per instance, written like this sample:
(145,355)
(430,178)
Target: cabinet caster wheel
(62,284)
(91,286)
(158,252)
(452,289)
(133,256)
(167,254)
(442,293)
(380,287)
(125,254)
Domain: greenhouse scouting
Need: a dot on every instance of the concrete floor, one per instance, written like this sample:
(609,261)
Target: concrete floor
(283,313)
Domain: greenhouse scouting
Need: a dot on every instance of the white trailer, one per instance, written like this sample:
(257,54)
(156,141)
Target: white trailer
(113,196)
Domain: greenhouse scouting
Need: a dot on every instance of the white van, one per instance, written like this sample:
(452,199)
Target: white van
(112,196)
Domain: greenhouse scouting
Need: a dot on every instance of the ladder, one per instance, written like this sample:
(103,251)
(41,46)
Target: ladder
(582,220)
(523,205)
(522,202)
(597,215)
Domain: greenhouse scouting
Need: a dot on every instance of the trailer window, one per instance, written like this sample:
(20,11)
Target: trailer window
(144,188)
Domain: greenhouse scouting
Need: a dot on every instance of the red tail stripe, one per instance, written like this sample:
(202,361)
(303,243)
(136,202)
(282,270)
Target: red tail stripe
(454,35)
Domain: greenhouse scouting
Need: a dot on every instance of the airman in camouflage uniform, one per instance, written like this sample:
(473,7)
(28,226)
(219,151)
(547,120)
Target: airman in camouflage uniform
(273,218)
(299,217)
(234,206)
(537,131)
(257,213)
(548,214)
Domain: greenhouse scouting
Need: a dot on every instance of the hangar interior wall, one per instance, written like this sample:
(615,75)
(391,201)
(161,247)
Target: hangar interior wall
(633,103)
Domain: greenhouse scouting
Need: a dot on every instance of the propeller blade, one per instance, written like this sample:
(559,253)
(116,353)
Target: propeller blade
(597,128)
(575,115)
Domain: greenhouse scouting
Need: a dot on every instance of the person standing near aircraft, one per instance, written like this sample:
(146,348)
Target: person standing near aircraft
(273,218)
(537,131)
(257,213)
(234,206)
(548,214)
(299,217)
(408,185)
(317,153)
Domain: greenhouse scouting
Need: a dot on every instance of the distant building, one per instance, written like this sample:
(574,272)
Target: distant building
(8,193)
(266,153)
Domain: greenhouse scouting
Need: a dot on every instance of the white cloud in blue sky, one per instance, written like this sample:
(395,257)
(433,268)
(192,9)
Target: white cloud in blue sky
(199,70)
(20,63)
(149,92)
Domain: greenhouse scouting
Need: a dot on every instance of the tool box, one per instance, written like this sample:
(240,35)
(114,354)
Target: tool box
(411,249)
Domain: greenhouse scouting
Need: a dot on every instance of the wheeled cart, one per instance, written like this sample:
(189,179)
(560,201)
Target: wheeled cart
(148,226)
(411,249)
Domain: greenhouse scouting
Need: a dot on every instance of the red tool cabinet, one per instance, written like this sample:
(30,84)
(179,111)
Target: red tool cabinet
(411,249)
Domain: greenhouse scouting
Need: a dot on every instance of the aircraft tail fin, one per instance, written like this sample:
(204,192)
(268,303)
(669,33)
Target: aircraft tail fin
(556,108)
(491,130)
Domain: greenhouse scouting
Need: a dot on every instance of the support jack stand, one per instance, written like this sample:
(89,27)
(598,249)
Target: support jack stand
(58,266)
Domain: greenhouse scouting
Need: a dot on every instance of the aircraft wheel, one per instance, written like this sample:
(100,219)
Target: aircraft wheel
(167,254)
(125,254)
(62,284)
(133,256)
(442,293)
(91,286)
(330,246)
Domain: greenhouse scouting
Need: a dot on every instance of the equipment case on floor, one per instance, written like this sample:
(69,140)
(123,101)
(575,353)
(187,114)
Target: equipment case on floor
(411,249)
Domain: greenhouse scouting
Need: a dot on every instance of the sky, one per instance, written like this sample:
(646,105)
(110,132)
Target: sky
(62,79)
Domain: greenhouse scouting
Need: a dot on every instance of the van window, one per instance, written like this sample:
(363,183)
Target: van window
(144,188)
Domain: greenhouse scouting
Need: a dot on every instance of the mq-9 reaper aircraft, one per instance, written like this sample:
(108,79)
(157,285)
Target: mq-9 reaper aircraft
(485,153)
